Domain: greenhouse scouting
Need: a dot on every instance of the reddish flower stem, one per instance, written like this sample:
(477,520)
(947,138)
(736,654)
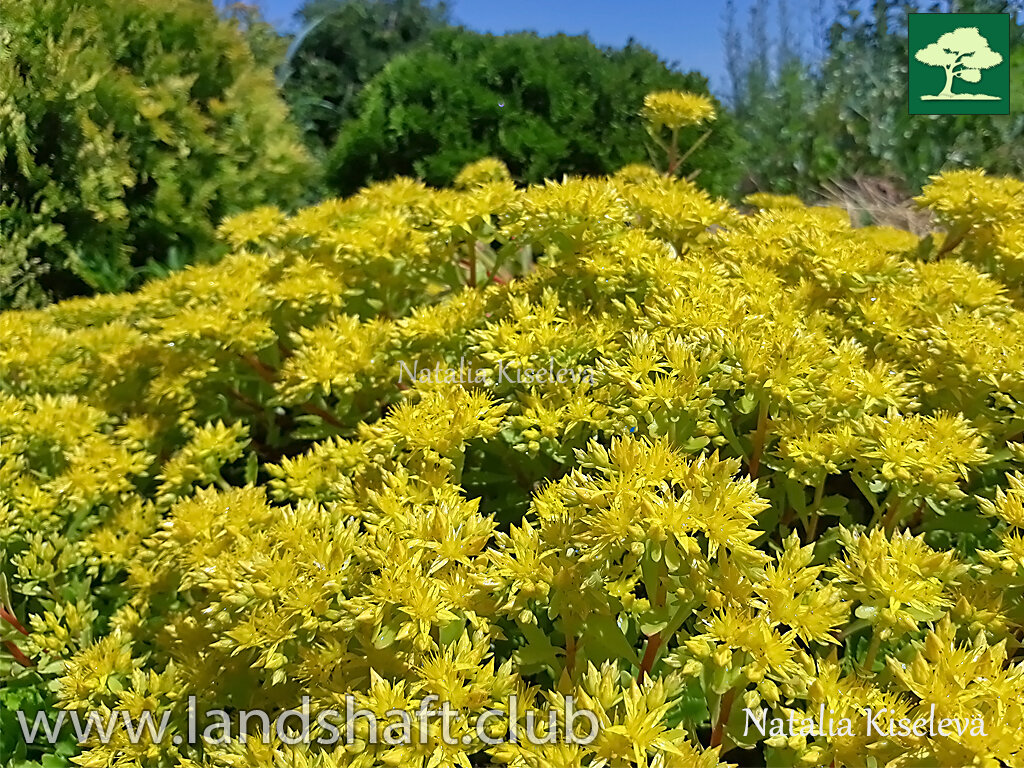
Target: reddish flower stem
(650,654)
(269,375)
(725,709)
(570,653)
(12,620)
(19,657)
(13,649)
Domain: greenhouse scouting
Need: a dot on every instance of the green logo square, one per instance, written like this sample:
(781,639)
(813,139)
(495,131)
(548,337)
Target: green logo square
(959,64)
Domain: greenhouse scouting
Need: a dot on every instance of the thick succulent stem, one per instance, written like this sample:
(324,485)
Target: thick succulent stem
(812,523)
(760,435)
(650,654)
(673,154)
(876,642)
(570,653)
(724,710)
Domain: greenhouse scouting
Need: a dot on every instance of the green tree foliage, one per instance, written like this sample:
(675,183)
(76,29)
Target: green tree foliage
(807,120)
(128,129)
(546,106)
(342,45)
(1017,80)
(269,47)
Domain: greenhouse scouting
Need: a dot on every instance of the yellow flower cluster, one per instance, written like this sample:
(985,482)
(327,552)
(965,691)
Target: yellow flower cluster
(983,217)
(480,173)
(785,477)
(767,201)
(675,109)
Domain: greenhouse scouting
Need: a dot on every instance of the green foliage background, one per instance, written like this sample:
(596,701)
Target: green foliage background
(343,44)
(127,130)
(1017,80)
(545,106)
(808,119)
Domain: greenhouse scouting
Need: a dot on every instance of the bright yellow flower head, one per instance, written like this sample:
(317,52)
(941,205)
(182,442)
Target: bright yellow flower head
(970,197)
(481,172)
(767,201)
(676,109)
(637,173)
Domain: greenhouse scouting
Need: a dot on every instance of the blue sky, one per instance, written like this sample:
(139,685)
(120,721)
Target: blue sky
(685,31)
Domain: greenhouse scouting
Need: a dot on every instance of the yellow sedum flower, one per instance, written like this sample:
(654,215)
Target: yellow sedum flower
(786,476)
(481,172)
(676,109)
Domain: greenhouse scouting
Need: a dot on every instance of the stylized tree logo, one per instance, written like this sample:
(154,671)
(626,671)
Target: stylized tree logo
(963,53)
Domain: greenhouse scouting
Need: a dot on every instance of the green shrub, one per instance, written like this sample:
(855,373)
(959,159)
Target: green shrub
(269,47)
(128,129)
(343,45)
(1017,81)
(805,123)
(544,106)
